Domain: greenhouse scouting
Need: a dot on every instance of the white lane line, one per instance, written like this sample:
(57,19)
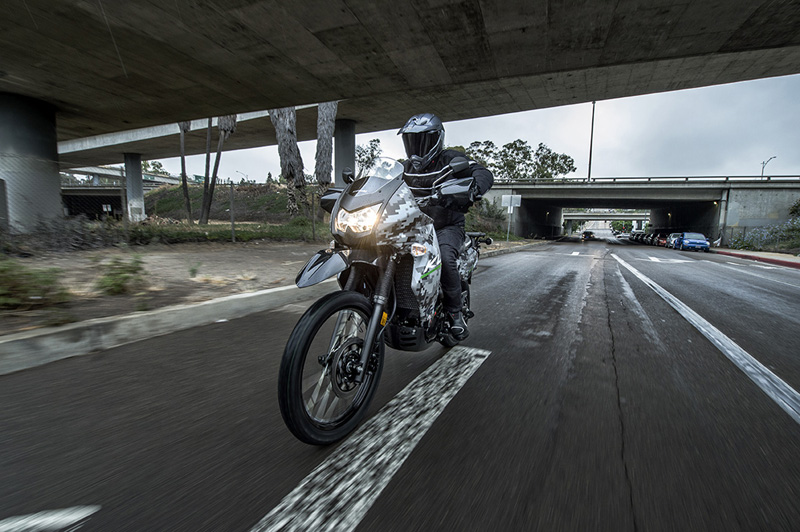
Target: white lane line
(742,270)
(574,253)
(340,491)
(49,520)
(655,259)
(784,395)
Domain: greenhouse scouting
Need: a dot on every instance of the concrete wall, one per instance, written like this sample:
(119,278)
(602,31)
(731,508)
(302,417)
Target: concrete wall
(757,208)
(702,217)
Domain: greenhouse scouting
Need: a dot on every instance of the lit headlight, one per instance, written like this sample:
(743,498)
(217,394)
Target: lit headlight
(360,221)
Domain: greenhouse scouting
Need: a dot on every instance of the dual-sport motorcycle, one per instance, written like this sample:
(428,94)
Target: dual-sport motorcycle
(386,256)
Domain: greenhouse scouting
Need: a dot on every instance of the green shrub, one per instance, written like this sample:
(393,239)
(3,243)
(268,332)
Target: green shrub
(121,277)
(22,288)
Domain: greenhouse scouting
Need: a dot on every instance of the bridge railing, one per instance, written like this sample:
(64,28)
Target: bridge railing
(659,179)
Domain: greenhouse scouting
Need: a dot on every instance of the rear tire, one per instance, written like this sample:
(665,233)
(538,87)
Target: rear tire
(319,400)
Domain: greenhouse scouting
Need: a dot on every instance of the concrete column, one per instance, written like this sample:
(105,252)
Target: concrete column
(29,161)
(133,187)
(344,136)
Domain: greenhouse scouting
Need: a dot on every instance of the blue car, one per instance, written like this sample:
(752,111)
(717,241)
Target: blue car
(692,241)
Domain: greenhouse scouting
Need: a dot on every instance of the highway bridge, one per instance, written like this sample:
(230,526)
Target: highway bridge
(108,71)
(706,204)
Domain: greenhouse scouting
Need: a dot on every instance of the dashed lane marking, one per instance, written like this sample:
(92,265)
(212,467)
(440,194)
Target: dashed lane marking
(340,491)
(784,395)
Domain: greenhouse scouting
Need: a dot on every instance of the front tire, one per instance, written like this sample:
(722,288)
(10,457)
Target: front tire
(319,399)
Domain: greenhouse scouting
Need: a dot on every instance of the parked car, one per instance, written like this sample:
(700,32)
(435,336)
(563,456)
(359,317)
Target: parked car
(648,238)
(635,235)
(624,235)
(693,241)
(660,240)
(671,240)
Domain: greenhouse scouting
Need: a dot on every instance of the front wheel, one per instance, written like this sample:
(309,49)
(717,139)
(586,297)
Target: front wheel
(320,400)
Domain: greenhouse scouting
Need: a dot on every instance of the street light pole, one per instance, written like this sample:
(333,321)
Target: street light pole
(591,142)
(246,177)
(764,164)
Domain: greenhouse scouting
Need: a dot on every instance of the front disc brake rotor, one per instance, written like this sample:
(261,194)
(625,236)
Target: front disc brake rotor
(344,368)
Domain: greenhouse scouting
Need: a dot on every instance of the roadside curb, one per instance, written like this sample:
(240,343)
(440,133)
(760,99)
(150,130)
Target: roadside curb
(29,349)
(769,260)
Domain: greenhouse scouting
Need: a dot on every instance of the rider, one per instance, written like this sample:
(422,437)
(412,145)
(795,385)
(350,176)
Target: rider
(423,137)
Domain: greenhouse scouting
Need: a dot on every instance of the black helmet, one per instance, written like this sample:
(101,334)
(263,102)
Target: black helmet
(423,137)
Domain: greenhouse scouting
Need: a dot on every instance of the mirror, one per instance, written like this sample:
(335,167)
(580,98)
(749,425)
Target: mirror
(459,164)
(347,175)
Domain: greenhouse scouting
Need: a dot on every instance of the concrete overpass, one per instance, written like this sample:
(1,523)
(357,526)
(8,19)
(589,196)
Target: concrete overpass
(710,205)
(74,69)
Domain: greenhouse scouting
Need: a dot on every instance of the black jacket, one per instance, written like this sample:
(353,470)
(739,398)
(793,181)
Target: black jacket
(443,217)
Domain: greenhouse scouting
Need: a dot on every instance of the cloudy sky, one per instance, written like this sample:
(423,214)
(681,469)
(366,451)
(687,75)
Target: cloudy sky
(722,130)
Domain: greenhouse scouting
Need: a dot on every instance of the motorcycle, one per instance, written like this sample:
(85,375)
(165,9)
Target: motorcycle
(386,258)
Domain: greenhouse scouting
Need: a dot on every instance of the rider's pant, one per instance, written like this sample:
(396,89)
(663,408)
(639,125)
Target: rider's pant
(451,238)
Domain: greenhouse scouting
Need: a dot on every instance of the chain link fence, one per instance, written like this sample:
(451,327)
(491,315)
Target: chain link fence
(779,238)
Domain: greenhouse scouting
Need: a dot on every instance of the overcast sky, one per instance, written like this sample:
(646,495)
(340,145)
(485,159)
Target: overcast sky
(722,130)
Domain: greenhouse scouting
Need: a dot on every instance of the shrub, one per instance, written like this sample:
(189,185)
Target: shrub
(784,237)
(22,288)
(121,277)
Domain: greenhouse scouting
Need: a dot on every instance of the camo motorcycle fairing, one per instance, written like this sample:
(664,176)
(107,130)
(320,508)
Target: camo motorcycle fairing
(427,274)
(467,259)
(400,222)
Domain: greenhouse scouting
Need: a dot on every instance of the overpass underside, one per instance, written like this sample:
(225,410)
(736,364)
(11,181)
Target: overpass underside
(701,207)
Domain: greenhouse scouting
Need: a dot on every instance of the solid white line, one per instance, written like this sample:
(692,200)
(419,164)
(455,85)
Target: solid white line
(772,385)
(48,520)
(742,270)
(340,491)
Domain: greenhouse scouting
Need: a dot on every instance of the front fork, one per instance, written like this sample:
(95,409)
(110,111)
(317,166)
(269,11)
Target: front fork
(382,292)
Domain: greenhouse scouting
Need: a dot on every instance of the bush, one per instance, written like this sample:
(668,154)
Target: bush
(121,277)
(783,237)
(22,288)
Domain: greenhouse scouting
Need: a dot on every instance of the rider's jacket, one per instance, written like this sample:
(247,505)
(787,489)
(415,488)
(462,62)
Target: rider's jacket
(442,216)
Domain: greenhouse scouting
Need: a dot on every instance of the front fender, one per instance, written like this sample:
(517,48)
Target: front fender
(326,263)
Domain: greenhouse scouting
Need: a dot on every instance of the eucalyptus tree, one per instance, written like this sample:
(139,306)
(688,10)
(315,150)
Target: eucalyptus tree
(284,120)
(326,122)
(184,128)
(226,126)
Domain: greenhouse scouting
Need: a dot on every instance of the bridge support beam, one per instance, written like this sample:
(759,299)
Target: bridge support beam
(28,162)
(133,187)
(344,146)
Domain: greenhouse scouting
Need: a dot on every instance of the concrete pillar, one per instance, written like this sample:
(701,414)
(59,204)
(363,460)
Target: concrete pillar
(133,187)
(344,136)
(29,161)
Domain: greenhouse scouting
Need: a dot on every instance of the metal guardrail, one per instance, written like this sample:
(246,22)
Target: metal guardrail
(664,179)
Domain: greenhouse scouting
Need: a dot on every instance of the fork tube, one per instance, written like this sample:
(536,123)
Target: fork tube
(380,298)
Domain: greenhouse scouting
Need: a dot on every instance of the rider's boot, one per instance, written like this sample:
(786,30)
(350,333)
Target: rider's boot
(458,327)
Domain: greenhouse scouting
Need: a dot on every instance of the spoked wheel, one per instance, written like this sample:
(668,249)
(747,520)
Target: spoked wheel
(320,400)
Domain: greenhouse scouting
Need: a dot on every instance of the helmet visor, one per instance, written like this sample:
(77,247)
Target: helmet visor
(420,144)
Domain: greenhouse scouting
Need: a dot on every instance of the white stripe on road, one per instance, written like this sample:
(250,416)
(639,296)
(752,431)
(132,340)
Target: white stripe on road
(742,270)
(340,491)
(655,259)
(49,520)
(780,392)
(574,253)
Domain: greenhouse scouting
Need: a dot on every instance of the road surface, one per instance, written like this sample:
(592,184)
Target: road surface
(603,390)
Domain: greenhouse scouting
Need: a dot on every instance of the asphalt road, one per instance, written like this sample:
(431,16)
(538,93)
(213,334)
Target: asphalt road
(599,407)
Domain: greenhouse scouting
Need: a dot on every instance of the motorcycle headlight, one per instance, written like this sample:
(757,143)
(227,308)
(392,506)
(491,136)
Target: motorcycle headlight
(360,221)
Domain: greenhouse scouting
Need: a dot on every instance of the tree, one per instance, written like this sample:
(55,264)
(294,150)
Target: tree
(184,128)
(516,160)
(326,121)
(226,126)
(621,226)
(794,210)
(366,156)
(154,167)
(284,120)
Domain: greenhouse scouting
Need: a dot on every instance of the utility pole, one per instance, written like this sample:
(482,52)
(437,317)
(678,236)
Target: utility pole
(591,142)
